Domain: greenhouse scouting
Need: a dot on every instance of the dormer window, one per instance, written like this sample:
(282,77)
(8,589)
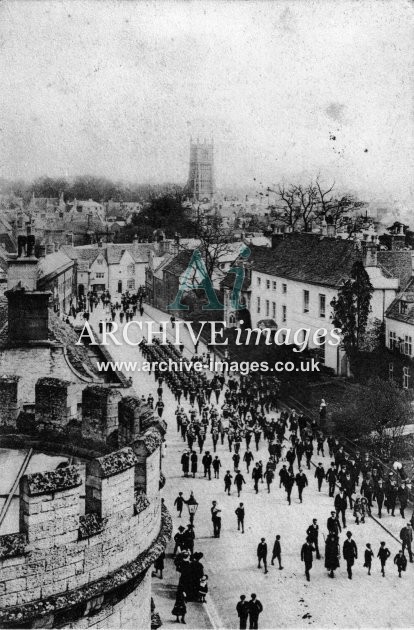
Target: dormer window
(403,307)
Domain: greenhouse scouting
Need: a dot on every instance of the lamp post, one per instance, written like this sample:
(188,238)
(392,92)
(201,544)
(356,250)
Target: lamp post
(192,506)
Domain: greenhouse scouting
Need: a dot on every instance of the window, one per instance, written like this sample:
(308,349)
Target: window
(99,274)
(267,308)
(284,313)
(259,281)
(284,288)
(406,377)
(258,305)
(306,301)
(131,269)
(267,284)
(274,310)
(131,284)
(392,340)
(403,307)
(322,305)
(100,261)
(274,285)
(391,371)
(408,345)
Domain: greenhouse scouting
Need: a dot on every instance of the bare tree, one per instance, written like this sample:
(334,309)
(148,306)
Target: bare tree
(330,206)
(288,208)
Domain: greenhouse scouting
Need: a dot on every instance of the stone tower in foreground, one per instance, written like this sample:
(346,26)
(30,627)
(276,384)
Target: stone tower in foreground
(201,173)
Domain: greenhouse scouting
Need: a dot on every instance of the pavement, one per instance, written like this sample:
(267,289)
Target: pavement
(230,561)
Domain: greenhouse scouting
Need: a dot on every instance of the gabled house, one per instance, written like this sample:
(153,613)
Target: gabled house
(294,282)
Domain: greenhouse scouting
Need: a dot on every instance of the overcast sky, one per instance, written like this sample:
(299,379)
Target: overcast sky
(116,89)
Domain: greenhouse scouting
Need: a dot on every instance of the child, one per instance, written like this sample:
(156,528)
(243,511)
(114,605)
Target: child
(180,609)
(401,561)
(203,589)
(369,554)
(383,554)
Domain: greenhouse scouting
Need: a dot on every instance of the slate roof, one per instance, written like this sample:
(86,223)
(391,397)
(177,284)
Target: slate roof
(112,252)
(177,265)
(396,264)
(309,258)
(393,311)
(52,262)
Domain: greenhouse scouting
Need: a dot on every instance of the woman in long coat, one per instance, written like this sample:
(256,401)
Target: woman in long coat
(331,554)
(194,460)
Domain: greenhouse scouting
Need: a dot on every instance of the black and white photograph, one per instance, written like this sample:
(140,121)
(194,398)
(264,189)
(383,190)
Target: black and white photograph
(206,314)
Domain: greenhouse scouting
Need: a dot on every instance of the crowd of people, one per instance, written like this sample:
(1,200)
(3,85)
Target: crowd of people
(242,414)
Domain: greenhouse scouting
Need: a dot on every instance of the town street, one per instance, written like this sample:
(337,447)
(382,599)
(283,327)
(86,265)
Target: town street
(230,561)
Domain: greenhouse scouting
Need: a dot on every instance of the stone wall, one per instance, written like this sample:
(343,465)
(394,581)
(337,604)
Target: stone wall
(10,400)
(100,411)
(56,403)
(55,560)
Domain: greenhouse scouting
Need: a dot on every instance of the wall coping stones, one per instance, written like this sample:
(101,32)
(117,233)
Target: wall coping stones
(90,525)
(25,612)
(152,440)
(117,462)
(53,481)
(12,545)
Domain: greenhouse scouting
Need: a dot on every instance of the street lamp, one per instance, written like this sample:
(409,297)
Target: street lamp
(192,506)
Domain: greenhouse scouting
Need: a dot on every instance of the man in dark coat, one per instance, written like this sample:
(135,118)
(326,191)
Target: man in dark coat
(331,477)
(240,517)
(341,505)
(380,496)
(207,461)
(248,458)
(320,475)
(227,482)
(350,553)
(283,474)
(277,552)
(401,561)
(301,481)
(256,476)
(179,503)
(238,482)
(242,609)
(403,497)
(313,533)
(306,555)
(391,494)
(406,536)
(262,554)
(216,519)
(290,480)
(383,554)
(255,608)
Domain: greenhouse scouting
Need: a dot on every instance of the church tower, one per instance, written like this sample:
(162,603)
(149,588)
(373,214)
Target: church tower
(201,173)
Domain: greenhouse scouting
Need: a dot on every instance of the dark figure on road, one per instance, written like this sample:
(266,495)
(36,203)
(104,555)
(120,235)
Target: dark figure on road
(350,553)
(242,609)
(216,467)
(333,525)
(227,482)
(194,462)
(290,480)
(332,554)
(262,554)
(255,608)
(207,461)
(179,503)
(313,534)
(306,555)
(341,505)
(238,482)
(248,458)
(401,561)
(256,476)
(216,519)
(368,555)
(406,536)
(383,554)
(277,552)
(240,518)
(320,475)
(331,477)
(301,481)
